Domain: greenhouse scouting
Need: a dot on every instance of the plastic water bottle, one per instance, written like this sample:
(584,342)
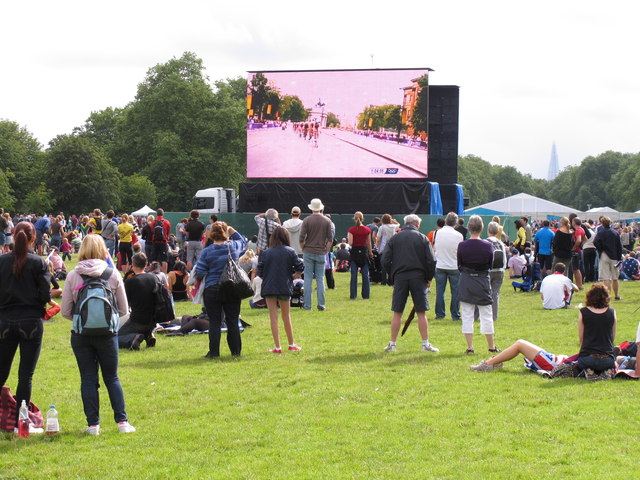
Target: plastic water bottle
(624,363)
(53,426)
(23,421)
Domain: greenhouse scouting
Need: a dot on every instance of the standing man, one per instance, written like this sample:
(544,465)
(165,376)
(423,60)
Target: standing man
(293,226)
(267,223)
(42,226)
(446,247)
(109,232)
(543,239)
(194,229)
(408,258)
(316,240)
(374,229)
(161,229)
(496,273)
(609,247)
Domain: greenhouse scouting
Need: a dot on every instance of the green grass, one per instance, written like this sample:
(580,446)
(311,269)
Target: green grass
(342,408)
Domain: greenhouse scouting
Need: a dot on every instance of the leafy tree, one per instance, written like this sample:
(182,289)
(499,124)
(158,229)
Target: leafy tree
(40,200)
(624,186)
(332,120)
(21,160)
(420,117)
(136,191)
(103,127)
(182,135)
(474,174)
(80,176)
(7,200)
(292,109)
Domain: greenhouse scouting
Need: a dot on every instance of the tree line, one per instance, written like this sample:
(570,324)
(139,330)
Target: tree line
(611,179)
(181,133)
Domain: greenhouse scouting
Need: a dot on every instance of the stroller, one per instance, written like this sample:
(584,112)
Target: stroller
(297,297)
(375,267)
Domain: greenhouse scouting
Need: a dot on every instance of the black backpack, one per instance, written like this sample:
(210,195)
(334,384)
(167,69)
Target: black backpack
(96,310)
(163,305)
(158,232)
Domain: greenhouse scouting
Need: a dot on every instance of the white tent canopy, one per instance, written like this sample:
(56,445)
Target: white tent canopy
(602,210)
(524,204)
(144,211)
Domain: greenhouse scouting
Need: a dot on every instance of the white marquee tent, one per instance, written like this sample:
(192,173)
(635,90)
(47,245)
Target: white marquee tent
(144,211)
(524,204)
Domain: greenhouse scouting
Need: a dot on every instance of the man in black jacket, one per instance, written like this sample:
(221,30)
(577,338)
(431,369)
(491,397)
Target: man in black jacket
(408,257)
(609,246)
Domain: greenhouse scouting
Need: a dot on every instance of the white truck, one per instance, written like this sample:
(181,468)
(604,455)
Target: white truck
(215,200)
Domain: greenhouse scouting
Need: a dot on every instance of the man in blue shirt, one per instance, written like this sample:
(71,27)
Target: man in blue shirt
(543,239)
(42,226)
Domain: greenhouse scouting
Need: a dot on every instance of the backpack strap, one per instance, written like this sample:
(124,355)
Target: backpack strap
(106,274)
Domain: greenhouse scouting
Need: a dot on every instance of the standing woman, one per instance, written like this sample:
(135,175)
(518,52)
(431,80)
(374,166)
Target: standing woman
(8,234)
(226,241)
(359,238)
(386,230)
(93,351)
(475,259)
(276,267)
(521,236)
(24,291)
(596,331)
(57,230)
(562,244)
(125,246)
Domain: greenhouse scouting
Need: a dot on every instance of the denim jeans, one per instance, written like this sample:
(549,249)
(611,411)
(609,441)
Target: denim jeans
(56,241)
(111,245)
(596,364)
(354,280)
(26,334)
(442,276)
(92,352)
(313,265)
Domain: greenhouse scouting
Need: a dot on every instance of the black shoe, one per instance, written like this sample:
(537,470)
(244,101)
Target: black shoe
(208,356)
(135,343)
(151,341)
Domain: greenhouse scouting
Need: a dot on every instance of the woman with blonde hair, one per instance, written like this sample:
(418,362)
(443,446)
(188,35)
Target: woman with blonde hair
(359,238)
(92,351)
(125,232)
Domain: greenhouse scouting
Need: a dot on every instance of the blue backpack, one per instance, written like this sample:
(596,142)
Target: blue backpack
(96,309)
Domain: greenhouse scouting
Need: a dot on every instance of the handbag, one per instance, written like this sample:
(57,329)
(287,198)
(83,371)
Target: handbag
(9,412)
(234,281)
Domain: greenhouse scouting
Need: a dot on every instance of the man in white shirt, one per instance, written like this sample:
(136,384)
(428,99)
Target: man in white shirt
(556,290)
(446,247)
(293,226)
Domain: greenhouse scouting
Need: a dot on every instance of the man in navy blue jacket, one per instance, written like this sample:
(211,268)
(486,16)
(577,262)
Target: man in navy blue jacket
(609,246)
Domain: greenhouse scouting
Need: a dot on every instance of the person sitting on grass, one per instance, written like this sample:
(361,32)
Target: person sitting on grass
(557,290)
(177,279)
(276,267)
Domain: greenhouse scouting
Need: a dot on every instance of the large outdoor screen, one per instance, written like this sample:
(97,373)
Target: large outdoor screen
(337,124)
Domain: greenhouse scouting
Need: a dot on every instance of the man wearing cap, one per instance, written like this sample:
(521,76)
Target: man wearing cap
(293,226)
(315,241)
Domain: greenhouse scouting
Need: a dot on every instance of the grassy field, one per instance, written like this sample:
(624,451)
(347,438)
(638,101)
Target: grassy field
(341,408)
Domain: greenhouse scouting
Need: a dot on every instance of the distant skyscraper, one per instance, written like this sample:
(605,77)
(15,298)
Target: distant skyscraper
(554,166)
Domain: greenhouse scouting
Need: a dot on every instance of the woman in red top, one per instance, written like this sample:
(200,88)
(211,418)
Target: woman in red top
(360,241)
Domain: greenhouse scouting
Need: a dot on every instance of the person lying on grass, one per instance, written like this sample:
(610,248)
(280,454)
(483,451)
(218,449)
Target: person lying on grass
(596,331)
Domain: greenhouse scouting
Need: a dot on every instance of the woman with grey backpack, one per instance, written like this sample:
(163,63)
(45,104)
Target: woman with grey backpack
(94,340)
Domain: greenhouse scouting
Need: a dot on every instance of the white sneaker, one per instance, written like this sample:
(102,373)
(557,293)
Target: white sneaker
(427,347)
(126,427)
(93,430)
(390,348)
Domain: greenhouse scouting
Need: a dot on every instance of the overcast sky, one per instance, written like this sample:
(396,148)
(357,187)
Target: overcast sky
(530,73)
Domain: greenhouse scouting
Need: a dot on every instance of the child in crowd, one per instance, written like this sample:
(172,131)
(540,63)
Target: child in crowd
(65,249)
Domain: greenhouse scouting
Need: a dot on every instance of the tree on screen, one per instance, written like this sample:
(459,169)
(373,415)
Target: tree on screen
(332,120)
(420,116)
(292,109)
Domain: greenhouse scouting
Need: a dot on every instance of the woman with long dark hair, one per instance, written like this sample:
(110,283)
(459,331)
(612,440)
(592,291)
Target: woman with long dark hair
(177,279)
(24,292)
(276,267)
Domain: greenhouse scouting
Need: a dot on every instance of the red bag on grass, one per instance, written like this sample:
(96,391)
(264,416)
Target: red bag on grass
(9,412)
